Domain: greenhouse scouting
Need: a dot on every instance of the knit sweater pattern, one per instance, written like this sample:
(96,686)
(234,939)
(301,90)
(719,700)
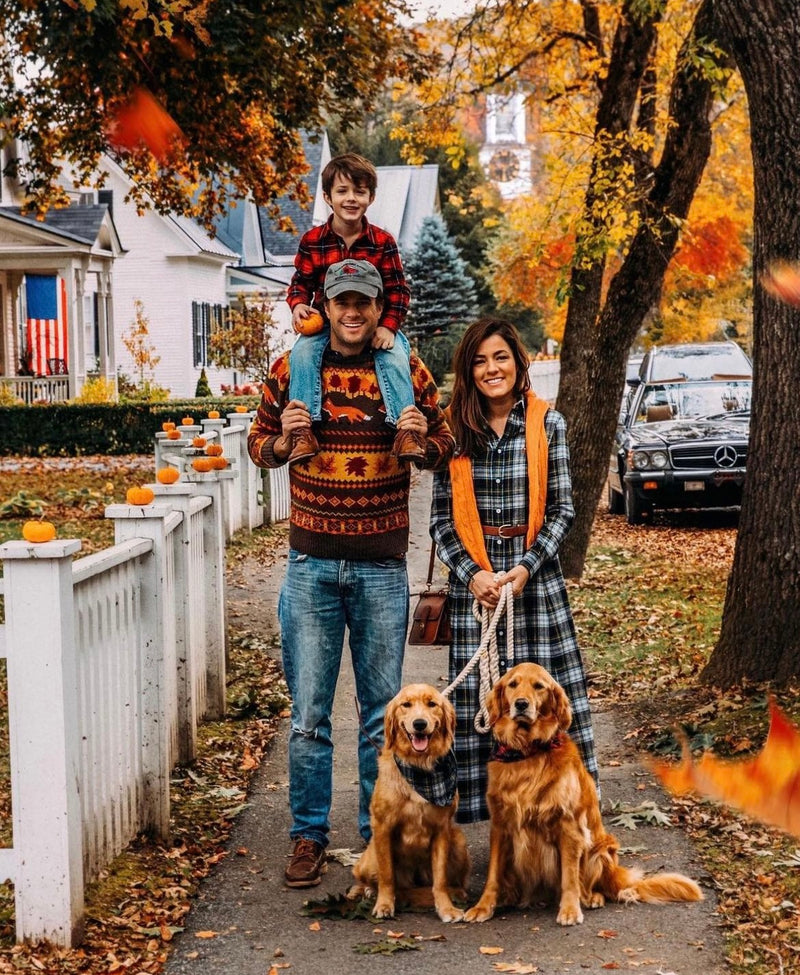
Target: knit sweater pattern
(349,501)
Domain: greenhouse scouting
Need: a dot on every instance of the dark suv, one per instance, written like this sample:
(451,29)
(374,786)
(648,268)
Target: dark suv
(681,441)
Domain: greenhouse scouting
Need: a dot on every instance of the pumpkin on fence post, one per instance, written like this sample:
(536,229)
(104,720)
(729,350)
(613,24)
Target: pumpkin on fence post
(38,531)
(201,464)
(168,475)
(139,495)
(214,450)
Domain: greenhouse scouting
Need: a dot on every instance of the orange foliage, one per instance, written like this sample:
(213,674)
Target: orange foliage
(713,248)
(766,787)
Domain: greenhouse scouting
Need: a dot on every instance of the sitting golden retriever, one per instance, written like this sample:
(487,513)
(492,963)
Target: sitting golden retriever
(546,829)
(417,855)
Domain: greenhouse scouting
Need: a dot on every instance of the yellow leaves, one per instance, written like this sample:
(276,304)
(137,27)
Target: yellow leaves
(766,787)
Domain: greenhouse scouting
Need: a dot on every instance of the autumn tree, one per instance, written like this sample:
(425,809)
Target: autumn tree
(760,636)
(247,342)
(136,339)
(239,81)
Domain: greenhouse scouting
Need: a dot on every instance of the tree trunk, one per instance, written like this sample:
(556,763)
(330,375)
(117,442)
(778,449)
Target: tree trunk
(760,636)
(593,371)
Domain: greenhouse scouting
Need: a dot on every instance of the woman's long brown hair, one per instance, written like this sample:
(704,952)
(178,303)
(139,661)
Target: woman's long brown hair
(467,410)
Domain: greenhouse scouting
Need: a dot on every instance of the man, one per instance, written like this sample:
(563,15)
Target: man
(348,538)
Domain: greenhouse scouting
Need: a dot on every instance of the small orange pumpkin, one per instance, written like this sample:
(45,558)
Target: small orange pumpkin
(38,531)
(218,463)
(310,325)
(174,435)
(168,475)
(213,414)
(166,427)
(187,421)
(199,442)
(202,464)
(214,450)
(139,495)
(241,409)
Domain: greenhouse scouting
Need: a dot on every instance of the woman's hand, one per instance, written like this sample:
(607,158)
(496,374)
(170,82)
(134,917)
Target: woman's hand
(485,588)
(518,577)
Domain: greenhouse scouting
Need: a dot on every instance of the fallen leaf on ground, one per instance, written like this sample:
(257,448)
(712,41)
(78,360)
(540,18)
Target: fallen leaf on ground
(484,950)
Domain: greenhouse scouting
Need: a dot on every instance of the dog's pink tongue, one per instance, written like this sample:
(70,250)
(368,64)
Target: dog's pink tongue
(419,743)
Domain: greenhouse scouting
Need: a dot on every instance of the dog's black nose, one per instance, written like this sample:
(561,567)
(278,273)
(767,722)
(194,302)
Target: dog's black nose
(420,725)
(521,704)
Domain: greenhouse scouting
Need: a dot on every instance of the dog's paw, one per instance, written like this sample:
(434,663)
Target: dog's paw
(595,900)
(569,914)
(628,895)
(384,907)
(477,914)
(450,914)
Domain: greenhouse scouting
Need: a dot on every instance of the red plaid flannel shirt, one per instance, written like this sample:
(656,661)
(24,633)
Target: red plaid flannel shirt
(322,246)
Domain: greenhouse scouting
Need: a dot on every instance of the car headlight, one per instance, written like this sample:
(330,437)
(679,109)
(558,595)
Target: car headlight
(644,460)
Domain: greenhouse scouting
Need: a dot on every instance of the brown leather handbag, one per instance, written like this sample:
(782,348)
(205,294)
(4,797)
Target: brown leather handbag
(430,621)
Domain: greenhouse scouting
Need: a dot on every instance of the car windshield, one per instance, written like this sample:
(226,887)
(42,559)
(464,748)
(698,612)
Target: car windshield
(685,401)
(700,362)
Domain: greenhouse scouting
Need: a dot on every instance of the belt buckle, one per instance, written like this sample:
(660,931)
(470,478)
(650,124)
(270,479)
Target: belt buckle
(502,529)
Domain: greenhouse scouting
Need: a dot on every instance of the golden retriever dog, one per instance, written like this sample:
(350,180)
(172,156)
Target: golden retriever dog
(417,855)
(546,831)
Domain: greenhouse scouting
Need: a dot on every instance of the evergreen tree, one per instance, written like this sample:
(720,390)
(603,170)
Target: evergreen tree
(203,388)
(442,292)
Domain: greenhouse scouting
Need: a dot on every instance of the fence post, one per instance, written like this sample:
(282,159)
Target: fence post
(159,665)
(214,538)
(44,740)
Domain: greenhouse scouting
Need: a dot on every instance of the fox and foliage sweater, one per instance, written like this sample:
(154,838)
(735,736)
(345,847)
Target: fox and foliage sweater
(350,501)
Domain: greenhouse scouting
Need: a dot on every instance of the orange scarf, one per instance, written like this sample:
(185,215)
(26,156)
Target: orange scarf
(465,507)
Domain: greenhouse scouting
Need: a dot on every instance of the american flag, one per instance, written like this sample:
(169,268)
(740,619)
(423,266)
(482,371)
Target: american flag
(46,344)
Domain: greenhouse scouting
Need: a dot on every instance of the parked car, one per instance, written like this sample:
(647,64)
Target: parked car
(694,360)
(682,441)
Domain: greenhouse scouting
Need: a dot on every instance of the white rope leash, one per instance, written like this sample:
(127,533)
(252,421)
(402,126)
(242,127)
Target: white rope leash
(487,655)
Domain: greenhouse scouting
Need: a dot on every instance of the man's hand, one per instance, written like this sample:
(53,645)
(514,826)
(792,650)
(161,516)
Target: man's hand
(383,338)
(414,420)
(295,417)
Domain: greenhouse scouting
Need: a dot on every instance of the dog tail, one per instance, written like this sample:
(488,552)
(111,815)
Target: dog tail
(658,888)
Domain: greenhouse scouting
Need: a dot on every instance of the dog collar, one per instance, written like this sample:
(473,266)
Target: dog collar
(437,785)
(504,753)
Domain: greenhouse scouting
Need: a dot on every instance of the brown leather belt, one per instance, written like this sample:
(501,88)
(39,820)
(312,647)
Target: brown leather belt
(505,531)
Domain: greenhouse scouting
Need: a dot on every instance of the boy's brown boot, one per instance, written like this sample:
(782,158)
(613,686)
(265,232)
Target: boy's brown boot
(409,446)
(304,445)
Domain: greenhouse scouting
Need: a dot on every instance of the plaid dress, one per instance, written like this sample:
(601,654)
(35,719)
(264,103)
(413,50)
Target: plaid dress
(544,632)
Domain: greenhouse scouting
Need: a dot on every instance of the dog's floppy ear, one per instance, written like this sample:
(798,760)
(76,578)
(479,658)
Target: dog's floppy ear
(390,725)
(494,702)
(561,706)
(449,713)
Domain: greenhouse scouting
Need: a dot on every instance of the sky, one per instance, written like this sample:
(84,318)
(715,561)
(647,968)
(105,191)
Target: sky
(442,9)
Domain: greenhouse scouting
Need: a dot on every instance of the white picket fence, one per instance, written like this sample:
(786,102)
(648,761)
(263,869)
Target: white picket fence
(112,661)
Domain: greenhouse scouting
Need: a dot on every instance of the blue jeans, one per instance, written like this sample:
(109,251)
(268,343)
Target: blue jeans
(391,367)
(319,598)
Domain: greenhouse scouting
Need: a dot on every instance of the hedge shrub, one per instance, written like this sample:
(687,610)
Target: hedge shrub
(75,429)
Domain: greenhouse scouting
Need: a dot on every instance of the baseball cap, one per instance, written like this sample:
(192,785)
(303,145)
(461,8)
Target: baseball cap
(353,275)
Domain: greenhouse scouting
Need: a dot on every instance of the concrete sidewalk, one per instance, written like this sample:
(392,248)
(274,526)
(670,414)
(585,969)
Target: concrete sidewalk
(257,921)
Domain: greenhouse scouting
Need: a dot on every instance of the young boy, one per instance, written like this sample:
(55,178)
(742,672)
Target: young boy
(348,187)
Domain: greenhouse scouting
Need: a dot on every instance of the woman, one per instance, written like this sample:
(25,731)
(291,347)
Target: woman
(504,506)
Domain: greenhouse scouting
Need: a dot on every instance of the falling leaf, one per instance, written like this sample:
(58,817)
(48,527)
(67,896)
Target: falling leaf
(766,787)
(141,121)
(484,950)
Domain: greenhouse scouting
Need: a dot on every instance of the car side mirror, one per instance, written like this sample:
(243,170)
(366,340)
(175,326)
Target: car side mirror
(634,381)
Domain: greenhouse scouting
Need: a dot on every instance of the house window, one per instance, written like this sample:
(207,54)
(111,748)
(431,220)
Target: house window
(206,318)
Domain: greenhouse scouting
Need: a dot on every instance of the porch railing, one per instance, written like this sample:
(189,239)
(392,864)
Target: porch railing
(37,389)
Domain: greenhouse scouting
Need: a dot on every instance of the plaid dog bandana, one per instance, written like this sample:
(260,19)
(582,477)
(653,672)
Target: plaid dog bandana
(437,786)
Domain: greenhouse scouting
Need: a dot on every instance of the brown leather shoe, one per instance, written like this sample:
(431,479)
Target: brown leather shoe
(409,446)
(304,445)
(307,864)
